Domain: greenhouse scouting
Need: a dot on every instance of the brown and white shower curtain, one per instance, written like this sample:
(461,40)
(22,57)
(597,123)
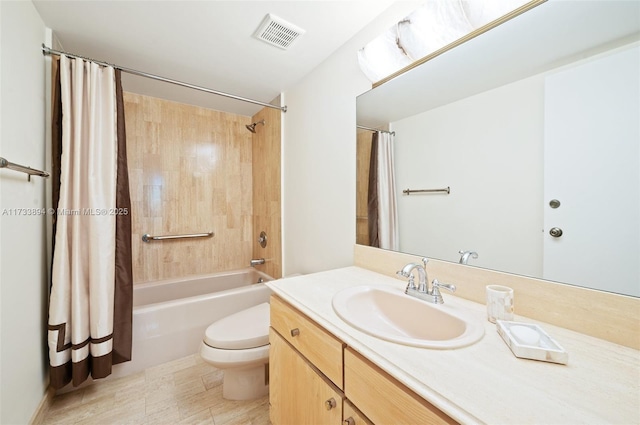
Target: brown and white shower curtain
(90,308)
(382,202)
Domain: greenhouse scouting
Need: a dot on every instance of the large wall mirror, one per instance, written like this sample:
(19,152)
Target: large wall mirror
(535,128)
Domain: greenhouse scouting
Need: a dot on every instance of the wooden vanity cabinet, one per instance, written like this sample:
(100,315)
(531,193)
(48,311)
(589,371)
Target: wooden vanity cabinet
(305,369)
(352,416)
(298,393)
(382,398)
(314,378)
(322,349)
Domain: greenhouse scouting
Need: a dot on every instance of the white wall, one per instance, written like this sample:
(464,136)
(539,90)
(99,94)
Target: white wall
(319,156)
(23,287)
(489,149)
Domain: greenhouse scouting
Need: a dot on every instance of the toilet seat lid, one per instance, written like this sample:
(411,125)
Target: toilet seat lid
(245,329)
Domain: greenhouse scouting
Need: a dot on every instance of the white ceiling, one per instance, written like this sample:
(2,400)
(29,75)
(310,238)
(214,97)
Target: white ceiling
(206,43)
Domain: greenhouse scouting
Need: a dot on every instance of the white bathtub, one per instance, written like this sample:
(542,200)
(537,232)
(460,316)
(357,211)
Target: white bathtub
(170,316)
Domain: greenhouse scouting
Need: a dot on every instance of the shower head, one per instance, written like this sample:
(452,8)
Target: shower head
(252,127)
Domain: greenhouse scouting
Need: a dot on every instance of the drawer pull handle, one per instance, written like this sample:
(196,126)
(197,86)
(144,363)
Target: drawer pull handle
(330,404)
(295,332)
(349,421)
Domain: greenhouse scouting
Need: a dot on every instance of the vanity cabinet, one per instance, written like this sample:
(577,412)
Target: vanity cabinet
(382,398)
(322,349)
(353,416)
(305,369)
(316,379)
(298,393)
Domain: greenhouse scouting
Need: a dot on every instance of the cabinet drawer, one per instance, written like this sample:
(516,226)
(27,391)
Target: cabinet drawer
(382,398)
(319,347)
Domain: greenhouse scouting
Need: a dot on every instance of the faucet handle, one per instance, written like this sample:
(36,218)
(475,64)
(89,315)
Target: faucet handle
(435,292)
(411,283)
(448,286)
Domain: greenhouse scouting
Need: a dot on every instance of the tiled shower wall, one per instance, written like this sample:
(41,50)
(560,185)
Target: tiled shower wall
(266,190)
(190,171)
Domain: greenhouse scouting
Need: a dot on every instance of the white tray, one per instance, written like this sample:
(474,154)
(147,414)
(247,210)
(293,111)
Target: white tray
(545,349)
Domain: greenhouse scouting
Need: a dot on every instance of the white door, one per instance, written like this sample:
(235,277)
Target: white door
(591,166)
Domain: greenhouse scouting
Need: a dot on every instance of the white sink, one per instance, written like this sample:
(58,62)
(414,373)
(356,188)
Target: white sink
(388,313)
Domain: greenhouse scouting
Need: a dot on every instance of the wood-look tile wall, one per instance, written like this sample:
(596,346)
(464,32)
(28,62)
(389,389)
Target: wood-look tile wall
(190,171)
(363,155)
(266,190)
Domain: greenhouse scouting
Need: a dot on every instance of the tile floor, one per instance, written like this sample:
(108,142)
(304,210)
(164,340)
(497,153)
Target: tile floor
(184,391)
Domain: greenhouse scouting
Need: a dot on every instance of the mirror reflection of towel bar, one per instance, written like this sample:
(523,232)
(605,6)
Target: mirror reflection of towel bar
(446,190)
(148,238)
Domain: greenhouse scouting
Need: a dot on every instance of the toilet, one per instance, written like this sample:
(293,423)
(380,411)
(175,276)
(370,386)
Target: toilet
(239,345)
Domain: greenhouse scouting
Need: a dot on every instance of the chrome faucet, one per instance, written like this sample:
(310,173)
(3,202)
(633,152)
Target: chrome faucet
(407,271)
(256,262)
(464,256)
(422,291)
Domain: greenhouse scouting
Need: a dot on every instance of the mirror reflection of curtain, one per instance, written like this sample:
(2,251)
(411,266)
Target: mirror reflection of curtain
(382,203)
(90,308)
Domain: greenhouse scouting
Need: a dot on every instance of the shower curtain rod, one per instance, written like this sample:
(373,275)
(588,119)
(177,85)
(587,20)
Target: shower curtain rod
(375,129)
(49,51)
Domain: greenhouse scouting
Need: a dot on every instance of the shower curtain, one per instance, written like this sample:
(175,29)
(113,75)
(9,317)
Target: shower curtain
(382,203)
(90,306)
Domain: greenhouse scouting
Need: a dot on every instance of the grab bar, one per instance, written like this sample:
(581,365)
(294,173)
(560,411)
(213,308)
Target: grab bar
(17,167)
(410,191)
(148,238)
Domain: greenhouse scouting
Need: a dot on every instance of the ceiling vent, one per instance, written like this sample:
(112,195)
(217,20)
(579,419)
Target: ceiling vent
(278,32)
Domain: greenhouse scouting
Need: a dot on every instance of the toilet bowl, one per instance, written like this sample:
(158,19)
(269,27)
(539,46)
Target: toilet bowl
(239,345)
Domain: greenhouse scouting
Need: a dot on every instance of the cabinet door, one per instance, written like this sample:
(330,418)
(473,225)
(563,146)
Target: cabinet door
(297,393)
(353,416)
(382,398)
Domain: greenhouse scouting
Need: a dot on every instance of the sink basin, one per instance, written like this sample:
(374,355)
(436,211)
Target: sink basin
(390,314)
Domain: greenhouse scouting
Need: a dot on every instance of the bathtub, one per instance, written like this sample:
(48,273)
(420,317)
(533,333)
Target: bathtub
(170,316)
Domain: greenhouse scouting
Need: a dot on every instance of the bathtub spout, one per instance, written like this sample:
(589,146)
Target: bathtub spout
(257,262)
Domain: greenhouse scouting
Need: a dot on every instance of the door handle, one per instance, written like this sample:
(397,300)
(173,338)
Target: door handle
(556,232)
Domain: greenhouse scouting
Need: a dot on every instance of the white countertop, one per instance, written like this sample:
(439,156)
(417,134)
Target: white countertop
(485,382)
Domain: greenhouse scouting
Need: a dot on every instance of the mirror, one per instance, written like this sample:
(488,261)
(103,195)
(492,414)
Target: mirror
(534,126)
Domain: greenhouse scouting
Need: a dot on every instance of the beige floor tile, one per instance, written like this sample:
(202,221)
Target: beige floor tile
(159,382)
(175,392)
(185,391)
(213,379)
(123,388)
(132,412)
(130,393)
(241,412)
(79,412)
(170,367)
(195,403)
(169,414)
(201,418)
(153,407)
(66,400)
(188,388)
(241,419)
(259,415)
(193,372)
